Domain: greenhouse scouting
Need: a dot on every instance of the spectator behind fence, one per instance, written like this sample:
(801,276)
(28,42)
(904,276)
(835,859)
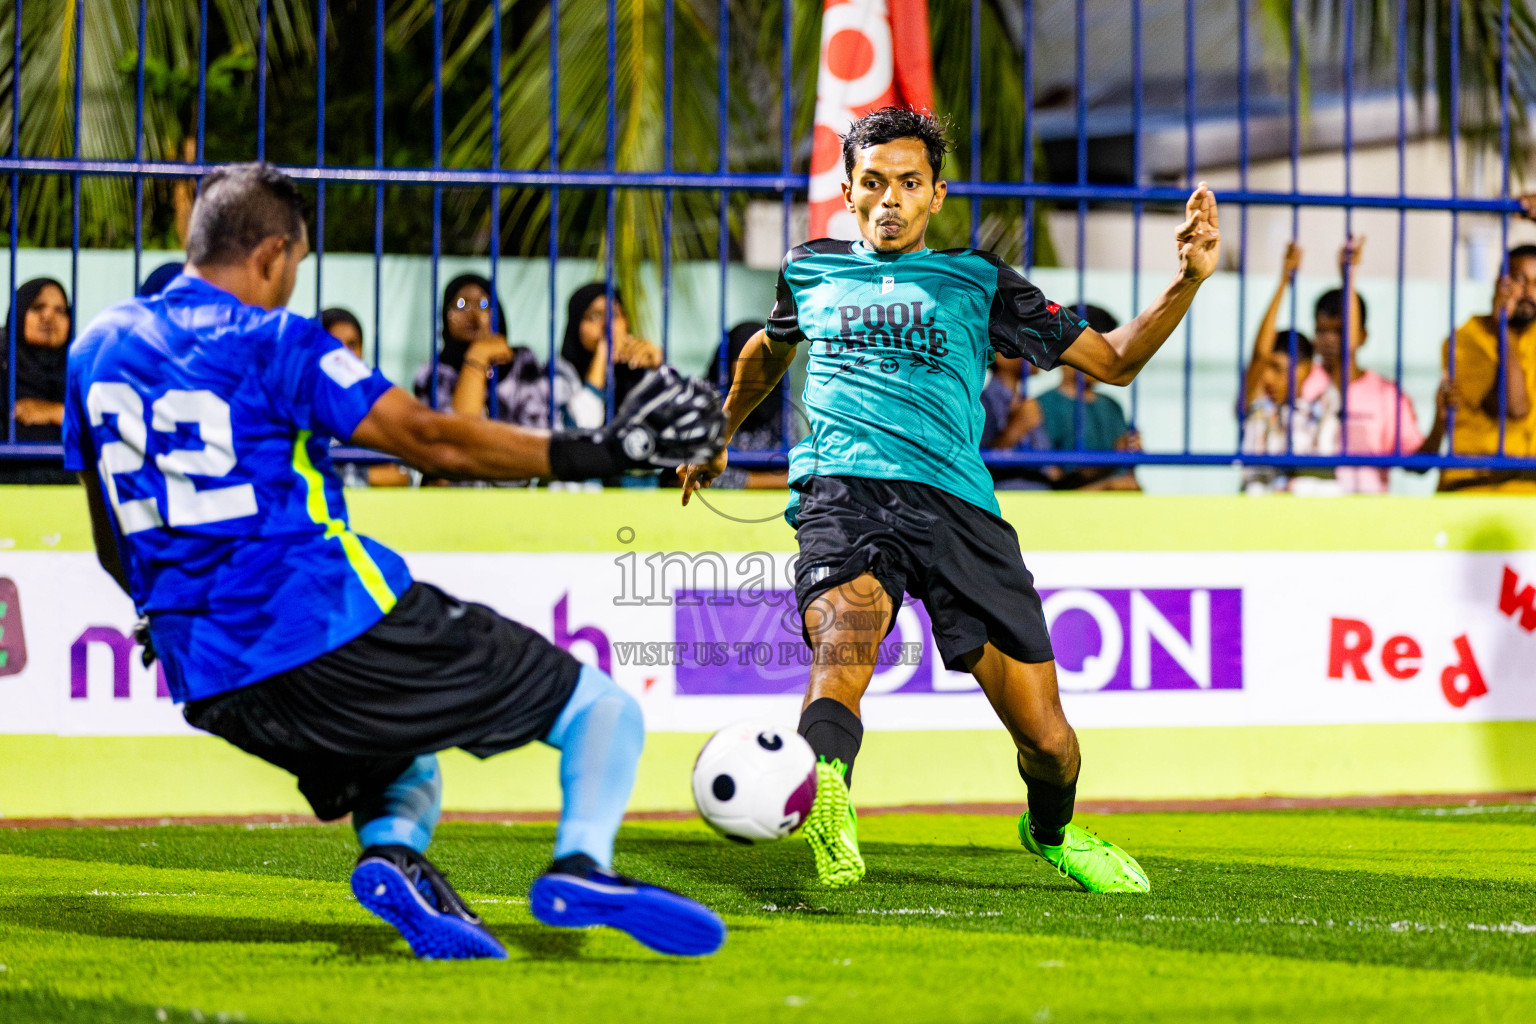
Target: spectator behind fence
(344,326)
(1272,399)
(1104,426)
(44,329)
(1381,419)
(583,369)
(158,278)
(472,354)
(1013,423)
(1477,378)
(763,429)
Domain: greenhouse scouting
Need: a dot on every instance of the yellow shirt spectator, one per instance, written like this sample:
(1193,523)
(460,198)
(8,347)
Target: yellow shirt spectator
(1476,432)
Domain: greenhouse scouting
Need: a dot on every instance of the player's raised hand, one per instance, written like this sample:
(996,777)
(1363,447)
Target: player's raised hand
(1199,237)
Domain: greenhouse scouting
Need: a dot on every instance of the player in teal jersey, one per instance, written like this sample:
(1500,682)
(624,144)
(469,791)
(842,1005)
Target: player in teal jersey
(890,493)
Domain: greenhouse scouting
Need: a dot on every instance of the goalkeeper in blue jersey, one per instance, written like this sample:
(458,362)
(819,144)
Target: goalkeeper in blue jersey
(890,493)
(200,421)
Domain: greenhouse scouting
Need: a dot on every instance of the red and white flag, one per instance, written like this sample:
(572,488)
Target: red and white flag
(874,53)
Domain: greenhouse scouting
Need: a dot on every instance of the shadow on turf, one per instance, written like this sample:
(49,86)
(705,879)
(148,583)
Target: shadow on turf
(116,921)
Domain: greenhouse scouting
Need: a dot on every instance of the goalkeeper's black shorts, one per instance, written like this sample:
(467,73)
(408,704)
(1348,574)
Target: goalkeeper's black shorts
(432,674)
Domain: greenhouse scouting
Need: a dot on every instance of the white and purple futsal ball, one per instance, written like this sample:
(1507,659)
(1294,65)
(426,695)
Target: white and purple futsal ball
(754,783)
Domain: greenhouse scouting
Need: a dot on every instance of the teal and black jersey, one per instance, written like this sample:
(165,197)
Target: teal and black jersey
(900,347)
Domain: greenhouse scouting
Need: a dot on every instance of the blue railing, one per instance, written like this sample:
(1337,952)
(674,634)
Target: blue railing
(789,181)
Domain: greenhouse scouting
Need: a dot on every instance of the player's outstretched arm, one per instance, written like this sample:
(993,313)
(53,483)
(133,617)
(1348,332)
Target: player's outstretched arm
(759,368)
(666,420)
(1116,357)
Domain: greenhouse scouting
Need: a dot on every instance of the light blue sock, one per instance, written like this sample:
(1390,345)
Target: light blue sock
(407,811)
(599,734)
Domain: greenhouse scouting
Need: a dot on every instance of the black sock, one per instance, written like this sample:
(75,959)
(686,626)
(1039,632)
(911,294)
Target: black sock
(1050,807)
(833,731)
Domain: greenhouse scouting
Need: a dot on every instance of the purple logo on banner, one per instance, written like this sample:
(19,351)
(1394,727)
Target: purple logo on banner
(1104,639)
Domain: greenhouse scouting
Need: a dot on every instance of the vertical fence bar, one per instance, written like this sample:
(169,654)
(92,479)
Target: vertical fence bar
(321,19)
(1241,409)
(202,76)
(1293,96)
(74,219)
(1136,175)
(1502,383)
(11,318)
(669,33)
(786,167)
(975,122)
(1080,113)
(378,190)
(493,399)
(1347,271)
(1027,257)
(552,367)
(1402,214)
(437,190)
(1455,131)
(612,193)
(261,82)
(138,153)
(1189,163)
(722,127)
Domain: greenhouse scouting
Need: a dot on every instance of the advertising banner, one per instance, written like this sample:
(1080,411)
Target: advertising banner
(1142,639)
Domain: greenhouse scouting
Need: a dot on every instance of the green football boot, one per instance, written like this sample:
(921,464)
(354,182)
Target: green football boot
(1091,862)
(832,828)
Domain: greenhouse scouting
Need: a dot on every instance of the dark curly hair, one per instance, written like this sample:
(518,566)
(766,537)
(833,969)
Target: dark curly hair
(891,123)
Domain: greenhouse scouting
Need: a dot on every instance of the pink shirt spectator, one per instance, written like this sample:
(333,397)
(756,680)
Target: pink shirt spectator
(1373,410)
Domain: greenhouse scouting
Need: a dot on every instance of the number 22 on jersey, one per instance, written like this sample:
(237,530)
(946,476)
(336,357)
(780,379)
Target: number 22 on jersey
(185,505)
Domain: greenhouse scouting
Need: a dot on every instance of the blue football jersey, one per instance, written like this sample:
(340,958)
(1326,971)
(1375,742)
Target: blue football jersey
(209,423)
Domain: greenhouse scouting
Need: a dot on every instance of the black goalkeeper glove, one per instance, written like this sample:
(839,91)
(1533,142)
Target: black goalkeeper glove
(141,636)
(667,420)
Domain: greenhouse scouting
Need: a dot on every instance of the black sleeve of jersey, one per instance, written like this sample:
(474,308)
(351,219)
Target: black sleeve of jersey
(1023,323)
(784,322)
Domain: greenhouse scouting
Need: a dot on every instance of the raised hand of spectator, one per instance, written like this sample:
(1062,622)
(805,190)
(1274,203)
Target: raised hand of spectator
(1447,396)
(1130,441)
(635,353)
(1506,296)
(1349,253)
(1528,206)
(491,350)
(1292,261)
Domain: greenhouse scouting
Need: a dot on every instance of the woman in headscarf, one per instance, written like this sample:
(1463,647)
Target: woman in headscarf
(473,355)
(44,329)
(581,384)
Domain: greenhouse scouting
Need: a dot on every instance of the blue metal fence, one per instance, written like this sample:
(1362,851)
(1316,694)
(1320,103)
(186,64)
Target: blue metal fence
(789,180)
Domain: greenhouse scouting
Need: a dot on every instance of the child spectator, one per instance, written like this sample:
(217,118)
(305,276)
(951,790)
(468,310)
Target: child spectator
(347,329)
(1014,423)
(1372,405)
(1103,428)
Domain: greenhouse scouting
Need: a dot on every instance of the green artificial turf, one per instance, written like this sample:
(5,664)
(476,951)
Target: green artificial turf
(1396,915)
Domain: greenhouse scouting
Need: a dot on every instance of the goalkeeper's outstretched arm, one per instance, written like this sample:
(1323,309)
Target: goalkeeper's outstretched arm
(667,420)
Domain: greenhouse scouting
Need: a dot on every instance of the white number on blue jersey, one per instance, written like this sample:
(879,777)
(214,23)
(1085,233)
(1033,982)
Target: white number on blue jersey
(126,455)
(185,504)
